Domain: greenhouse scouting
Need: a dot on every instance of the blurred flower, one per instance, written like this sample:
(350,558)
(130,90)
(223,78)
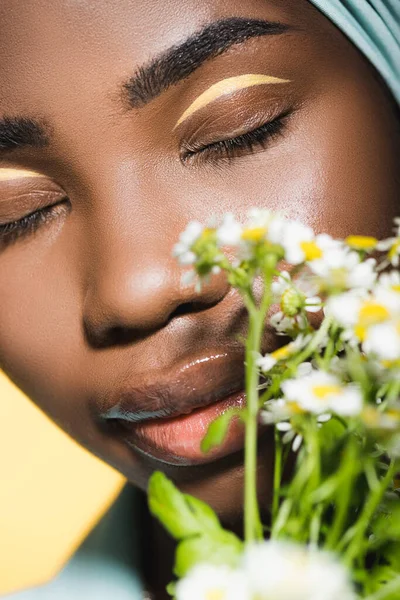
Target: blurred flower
(392,245)
(285,571)
(291,326)
(376,419)
(292,299)
(268,361)
(371,319)
(383,340)
(183,249)
(298,241)
(362,242)
(342,269)
(229,233)
(212,582)
(320,392)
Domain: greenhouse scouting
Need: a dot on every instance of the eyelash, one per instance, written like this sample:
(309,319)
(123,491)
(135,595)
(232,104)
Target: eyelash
(228,149)
(231,148)
(10,232)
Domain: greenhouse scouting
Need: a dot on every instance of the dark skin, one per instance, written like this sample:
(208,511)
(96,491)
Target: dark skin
(94,294)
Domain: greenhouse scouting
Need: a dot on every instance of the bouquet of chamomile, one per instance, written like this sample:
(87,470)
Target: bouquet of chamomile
(331,393)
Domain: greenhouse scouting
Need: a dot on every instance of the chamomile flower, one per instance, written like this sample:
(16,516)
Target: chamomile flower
(278,570)
(362,243)
(257,226)
(389,281)
(320,392)
(183,249)
(298,241)
(383,340)
(283,414)
(387,420)
(372,320)
(344,308)
(213,582)
(229,233)
(342,269)
(285,325)
(268,361)
(292,299)
(392,246)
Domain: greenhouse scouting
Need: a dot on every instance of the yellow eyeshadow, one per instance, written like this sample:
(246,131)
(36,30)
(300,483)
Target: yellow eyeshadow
(9,174)
(228,86)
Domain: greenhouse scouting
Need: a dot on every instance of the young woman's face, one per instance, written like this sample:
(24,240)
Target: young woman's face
(101,144)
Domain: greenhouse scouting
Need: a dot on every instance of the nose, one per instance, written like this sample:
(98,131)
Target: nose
(133,284)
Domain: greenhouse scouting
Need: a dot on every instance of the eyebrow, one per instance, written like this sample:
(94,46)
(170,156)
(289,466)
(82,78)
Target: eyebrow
(21,132)
(180,61)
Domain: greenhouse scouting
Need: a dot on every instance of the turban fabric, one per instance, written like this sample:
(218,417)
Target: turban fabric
(374,27)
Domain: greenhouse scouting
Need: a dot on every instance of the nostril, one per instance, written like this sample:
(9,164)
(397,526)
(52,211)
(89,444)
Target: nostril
(113,336)
(187,308)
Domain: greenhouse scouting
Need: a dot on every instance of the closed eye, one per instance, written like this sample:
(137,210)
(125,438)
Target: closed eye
(230,148)
(14,230)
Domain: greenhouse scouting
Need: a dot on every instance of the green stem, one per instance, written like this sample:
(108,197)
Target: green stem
(371,505)
(315,526)
(346,475)
(277,475)
(252,522)
(394,391)
(282,517)
(390,591)
(313,344)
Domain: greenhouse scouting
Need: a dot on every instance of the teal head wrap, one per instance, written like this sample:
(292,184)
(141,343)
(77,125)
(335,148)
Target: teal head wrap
(374,27)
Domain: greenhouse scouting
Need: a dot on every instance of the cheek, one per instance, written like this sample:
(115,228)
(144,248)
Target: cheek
(38,318)
(353,149)
(335,168)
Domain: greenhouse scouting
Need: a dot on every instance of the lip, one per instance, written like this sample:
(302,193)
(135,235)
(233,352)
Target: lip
(167,416)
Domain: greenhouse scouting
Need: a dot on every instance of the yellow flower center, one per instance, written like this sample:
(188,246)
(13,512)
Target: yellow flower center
(207,233)
(388,364)
(322,391)
(396,288)
(215,594)
(283,352)
(294,408)
(395,249)
(393,414)
(254,234)
(360,332)
(311,250)
(361,242)
(372,313)
(371,417)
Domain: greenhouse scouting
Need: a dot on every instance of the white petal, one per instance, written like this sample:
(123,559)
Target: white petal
(324,418)
(313,304)
(266,363)
(284,426)
(297,443)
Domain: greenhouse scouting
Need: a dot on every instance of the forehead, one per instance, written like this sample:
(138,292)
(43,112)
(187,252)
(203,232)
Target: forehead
(55,46)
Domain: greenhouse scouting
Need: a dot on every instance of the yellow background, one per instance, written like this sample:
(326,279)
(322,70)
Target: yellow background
(52,492)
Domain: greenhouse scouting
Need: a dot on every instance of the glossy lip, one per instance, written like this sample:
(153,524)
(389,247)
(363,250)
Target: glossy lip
(167,416)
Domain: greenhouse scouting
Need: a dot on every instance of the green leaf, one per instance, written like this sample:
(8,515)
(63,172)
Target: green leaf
(181,514)
(223,549)
(386,526)
(392,555)
(171,588)
(330,434)
(217,430)
(171,508)
(204,514)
